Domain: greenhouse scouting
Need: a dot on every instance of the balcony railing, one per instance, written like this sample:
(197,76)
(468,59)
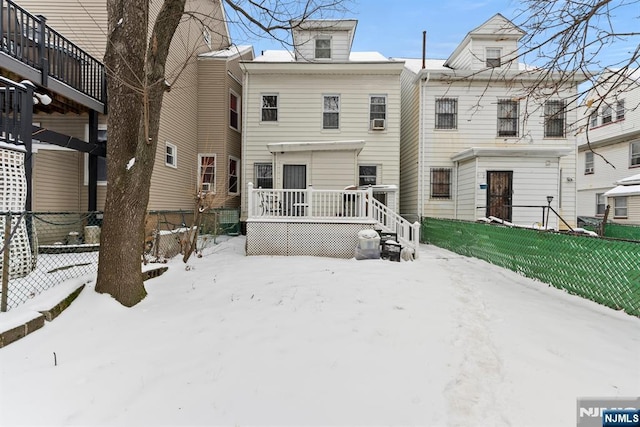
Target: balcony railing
(329,206)
(28,39)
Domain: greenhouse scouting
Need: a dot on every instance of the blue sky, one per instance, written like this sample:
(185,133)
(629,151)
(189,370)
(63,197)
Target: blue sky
(394,28)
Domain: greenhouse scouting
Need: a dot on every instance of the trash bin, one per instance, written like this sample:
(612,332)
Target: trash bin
(392,249)
(92,234)
(368,245)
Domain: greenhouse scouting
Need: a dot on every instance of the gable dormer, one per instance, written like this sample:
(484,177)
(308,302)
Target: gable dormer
(491,45)
(323,40)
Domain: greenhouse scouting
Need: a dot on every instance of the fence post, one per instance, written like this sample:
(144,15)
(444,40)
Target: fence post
(5,262)
(416,239)
(369,202)
(250,200)
(309,201)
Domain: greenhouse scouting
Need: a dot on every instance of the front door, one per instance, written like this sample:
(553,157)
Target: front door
(294,177)
(499,194)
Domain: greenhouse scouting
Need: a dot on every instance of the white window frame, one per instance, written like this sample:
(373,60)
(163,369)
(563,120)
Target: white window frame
(206,36)
(600,202)
(263,108)
(444,101)
(593,119)
(325,111)
(369,165)
(549,116)
(588,162)
(620,110)
(620,207)
(237,175)
(505,118)
(439,194)
(174,155)
(236,111)
(86,156)
(634,154)
(315,47)
(258,165)
(377,115)
(607,114)
(490,59)
(215,171)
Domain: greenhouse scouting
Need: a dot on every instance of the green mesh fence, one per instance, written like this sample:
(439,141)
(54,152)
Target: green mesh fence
(621,231)
(603,270)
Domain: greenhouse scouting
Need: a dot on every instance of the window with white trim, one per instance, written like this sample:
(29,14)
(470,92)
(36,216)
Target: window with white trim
(593,119)
(377,111)
(588,162)
(600,203)
(269,109)
(446,113)
(234,173)
(331,112)
(507,117)
(367,175)
(493,55)
(263,174)
(606,114)
(207,172)
(634,159)
(620,207)
(620,110)
(554,119)
(170,155)
(440,183)
(234,110)
(323,47)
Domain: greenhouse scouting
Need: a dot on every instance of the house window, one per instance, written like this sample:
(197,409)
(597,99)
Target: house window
(635,153)
(554,118)
(606,114)
(440,183)
(620,207)
(588,162)
(446,113)
(323,48)
(206,36)
(493,57)
(377,111)
(600,204)
(331,112)
(507,117)
(207,172)
(593,119)
(620,109)
(170,155)
(234,108)
(263,175)
(367,175)
(233,175)
(269,108)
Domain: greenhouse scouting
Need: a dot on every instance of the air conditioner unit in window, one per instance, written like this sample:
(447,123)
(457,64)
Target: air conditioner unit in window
(206,186)
(377,124)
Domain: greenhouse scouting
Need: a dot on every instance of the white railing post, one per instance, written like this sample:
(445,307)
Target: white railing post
(250,200)
(416,239)
(369,202)
(309,210)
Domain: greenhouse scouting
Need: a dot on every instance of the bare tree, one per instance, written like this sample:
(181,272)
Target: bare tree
(136,60)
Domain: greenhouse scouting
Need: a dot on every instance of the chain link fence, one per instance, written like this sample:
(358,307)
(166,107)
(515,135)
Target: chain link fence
(603,270)
(41,249)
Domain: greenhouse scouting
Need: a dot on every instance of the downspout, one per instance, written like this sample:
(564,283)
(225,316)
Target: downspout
(245,199)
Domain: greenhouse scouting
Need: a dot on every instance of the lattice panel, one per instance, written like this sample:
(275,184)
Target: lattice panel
(303,239)
(13,195)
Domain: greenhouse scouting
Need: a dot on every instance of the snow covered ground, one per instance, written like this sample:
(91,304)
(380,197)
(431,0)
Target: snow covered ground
(234,340)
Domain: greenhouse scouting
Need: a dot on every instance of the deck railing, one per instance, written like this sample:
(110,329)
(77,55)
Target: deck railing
(22,37)
(330,206)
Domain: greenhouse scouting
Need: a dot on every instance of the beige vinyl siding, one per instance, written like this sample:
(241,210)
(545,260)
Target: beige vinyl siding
(466,190)
(633,206)
(409,145)
(300,104)
(55,181)
(82,22)
(333,170)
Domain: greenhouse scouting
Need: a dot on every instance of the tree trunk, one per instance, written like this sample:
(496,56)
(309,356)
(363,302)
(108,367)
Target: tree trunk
(135,89)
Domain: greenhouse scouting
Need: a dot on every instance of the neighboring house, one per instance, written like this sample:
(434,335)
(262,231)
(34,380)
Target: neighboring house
(323,118)
(628,190)
(475,145)
(186,125)
(609,147)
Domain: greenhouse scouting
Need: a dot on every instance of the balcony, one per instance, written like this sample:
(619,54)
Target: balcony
(31,50)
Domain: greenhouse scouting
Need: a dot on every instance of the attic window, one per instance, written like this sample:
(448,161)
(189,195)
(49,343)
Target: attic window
(493,57)
(323,48)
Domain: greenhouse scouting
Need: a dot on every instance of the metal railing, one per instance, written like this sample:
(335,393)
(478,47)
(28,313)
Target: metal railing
(28,39)
(330,206)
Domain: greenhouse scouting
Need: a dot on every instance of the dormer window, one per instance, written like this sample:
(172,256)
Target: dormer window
(323,48)
(493,57)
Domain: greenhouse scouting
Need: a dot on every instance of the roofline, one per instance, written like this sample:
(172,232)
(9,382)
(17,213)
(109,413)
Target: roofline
(491,75)
(474,152)
(257,67)
(240,50)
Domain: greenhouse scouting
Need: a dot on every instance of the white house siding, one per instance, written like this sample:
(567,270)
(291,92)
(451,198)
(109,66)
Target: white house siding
(339,44)
(334,170)
(477,127)
(466,189)
(409,148)
(300,103)
(53,191)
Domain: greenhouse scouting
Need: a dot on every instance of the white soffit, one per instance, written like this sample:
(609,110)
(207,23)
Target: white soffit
(474,152)
(284,147)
